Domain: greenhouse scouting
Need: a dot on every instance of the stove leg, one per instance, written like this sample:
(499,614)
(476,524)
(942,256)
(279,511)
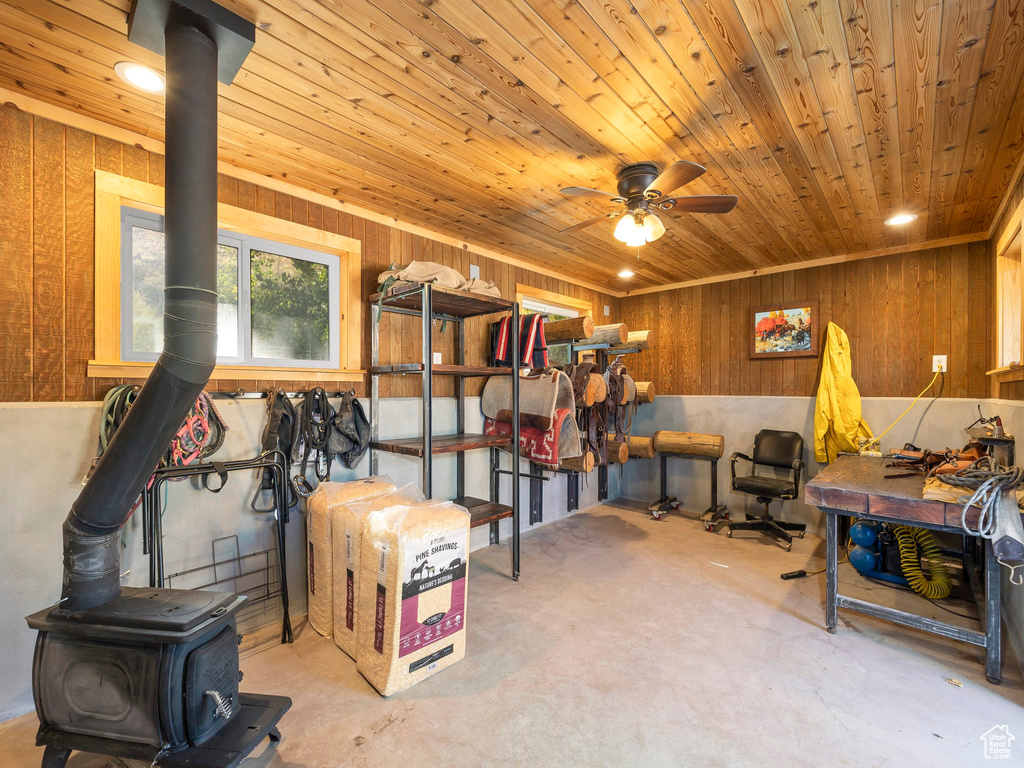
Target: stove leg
(55,757)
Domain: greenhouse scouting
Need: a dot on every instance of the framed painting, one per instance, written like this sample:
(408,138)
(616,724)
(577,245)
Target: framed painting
(786,329)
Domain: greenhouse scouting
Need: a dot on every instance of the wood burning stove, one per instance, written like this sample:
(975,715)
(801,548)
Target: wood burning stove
(152,674)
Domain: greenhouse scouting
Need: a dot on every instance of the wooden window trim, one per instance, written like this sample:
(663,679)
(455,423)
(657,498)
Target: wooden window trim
(549,297)
(113,192)
(1009,239)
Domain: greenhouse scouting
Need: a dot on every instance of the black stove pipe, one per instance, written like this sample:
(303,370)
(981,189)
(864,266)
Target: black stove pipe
(91,530)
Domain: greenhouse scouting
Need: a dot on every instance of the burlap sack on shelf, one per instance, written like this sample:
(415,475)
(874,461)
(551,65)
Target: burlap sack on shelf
(411,619)
(320,509)
(347,532)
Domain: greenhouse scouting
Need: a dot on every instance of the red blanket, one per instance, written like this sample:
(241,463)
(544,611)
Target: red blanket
(540,445)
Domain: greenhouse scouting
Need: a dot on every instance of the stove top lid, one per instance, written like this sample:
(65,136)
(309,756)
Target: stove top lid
(162,610)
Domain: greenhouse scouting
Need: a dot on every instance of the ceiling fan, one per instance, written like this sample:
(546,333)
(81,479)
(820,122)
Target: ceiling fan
(641,188)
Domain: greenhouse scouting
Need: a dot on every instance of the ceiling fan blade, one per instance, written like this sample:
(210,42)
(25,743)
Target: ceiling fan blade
(586,192)
(675,176)
(589,222)
(698,204)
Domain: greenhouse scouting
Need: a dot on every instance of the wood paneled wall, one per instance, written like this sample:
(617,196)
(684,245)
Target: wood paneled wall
(897,310)
(46,247)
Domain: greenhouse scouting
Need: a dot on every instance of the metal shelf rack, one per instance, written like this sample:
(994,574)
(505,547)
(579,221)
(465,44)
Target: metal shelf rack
(601,353)
(431,303)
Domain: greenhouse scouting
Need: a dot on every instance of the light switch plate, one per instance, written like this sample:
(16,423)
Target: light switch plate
(607,310)
(474,271)
(939,364)
(437,358)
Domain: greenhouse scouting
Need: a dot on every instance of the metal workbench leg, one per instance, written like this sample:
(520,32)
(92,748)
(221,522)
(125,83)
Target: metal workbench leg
(993,618)
(831,569)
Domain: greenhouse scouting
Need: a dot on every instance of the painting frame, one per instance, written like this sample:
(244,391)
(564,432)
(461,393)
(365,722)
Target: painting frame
(814,329)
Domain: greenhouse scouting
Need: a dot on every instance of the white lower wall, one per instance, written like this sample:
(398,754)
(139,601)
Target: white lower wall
(46,449)
(931,424)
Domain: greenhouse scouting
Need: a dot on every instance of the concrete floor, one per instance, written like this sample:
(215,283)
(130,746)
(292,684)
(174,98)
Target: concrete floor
(634,642)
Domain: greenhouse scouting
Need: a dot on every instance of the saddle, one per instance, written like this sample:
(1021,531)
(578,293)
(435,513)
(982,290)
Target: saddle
(591,417)
(621,398)
(930,463)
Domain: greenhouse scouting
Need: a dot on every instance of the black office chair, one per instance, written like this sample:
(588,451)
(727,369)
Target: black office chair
(772,448)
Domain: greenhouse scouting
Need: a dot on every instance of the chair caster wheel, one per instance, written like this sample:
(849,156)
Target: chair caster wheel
(800,534)
(789,547)
(728,533)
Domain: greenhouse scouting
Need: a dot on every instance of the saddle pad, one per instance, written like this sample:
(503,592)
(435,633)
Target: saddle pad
(547,447)
(539,397)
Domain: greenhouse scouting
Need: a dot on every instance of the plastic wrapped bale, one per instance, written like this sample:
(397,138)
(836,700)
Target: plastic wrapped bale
(320,556)
(413,568)
(347,532)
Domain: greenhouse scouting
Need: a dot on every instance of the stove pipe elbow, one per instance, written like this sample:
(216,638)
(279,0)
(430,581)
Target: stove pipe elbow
(91,530)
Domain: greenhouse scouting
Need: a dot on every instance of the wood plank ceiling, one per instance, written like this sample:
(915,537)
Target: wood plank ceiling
(467,116)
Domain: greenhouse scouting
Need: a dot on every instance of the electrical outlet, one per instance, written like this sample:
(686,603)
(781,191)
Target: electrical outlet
(437,358)
(607,310)
(939,364)
(474,271)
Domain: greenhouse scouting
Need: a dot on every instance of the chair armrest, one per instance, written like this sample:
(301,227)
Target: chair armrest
(732,462)
(798,466)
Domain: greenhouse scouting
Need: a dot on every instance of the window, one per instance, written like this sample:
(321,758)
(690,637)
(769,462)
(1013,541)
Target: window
(1008,302)
(556,307)
(278,304)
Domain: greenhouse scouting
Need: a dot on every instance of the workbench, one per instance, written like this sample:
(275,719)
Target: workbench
(856,486)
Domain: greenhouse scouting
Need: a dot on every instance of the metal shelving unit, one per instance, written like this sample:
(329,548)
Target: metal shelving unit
(431,303)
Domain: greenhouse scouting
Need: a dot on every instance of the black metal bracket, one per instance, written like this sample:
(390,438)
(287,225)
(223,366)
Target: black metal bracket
(233,35)
(572,491)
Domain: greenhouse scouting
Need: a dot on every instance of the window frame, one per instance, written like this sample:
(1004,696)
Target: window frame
(113,193)
(549,300)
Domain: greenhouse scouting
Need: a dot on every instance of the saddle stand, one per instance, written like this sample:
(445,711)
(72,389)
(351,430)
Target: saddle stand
(711,517)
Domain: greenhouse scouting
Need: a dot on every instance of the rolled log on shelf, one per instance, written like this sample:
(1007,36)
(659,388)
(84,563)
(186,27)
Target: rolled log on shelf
(640,447)
(614,334)
(688,443)
(583,463)
(570,329)
(597,389)
(618,453)
(637,340)
(645,392)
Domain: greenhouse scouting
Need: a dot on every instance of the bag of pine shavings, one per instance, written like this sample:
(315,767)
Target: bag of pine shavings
(347,533)
(411,619)
(320,511)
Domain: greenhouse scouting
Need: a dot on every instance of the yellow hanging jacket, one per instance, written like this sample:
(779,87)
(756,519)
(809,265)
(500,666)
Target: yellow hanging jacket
(837,413)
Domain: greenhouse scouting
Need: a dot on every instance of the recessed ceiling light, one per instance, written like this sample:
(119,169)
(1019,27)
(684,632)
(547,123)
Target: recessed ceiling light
(626,274)
(901,218)
(140,76)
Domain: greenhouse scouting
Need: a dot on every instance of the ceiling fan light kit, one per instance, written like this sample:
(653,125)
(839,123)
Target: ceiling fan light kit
(642,188)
